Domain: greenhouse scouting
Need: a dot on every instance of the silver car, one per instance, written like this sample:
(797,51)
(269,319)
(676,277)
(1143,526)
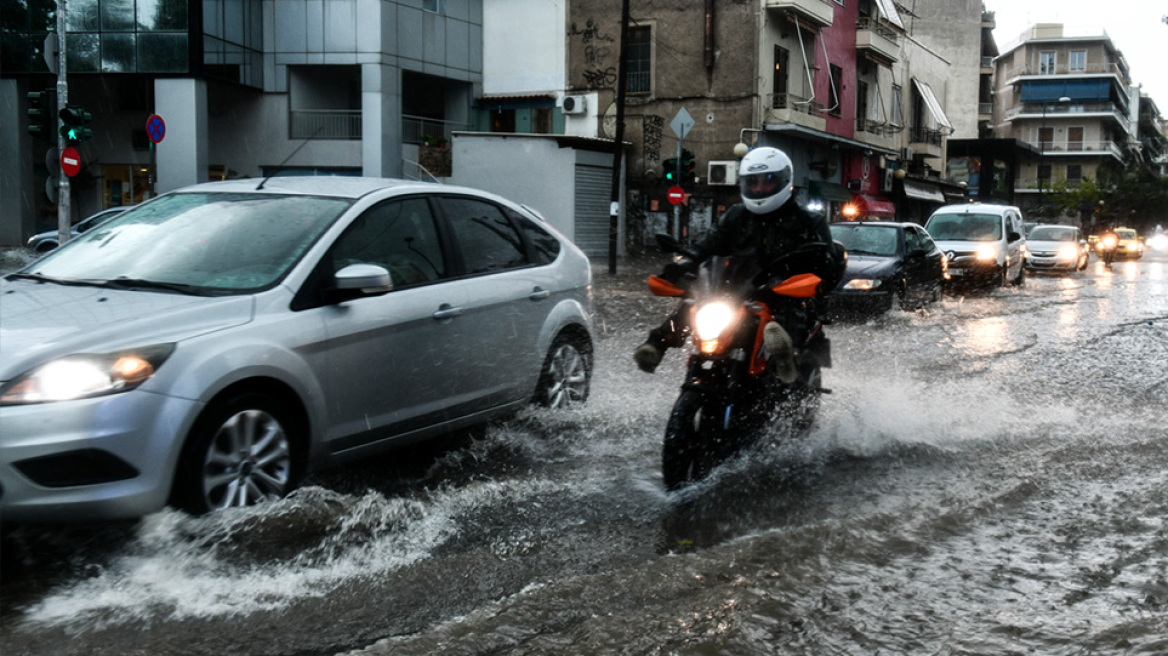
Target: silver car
(43,242)
(1059,248)
(210,347)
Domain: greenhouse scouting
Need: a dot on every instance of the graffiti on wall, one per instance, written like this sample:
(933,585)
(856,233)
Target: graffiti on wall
(653,127)
(596,54)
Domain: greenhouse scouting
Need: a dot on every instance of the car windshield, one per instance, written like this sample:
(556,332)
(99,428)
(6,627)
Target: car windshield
(196,242)
(965,227)
(1052,233)
(864,239)
(1126,234)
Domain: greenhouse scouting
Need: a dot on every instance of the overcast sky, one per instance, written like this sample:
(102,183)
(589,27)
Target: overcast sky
(1136,27)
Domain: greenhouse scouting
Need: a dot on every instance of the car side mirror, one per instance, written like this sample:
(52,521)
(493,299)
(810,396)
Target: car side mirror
(359,281)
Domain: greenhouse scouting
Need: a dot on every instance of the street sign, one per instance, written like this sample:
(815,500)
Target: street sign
(155,128)
(70,161)
(681,123)
(676,195)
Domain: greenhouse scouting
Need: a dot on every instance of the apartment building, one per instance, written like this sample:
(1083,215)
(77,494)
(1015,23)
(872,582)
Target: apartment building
(1069,96)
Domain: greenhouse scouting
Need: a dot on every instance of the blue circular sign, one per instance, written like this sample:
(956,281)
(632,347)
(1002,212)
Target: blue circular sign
(155,128)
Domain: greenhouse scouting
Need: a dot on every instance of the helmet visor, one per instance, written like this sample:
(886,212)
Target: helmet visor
(764,185)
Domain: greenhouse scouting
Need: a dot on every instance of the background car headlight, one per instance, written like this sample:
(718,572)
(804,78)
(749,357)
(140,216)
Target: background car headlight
(862,284)
(83,375)
(987,252)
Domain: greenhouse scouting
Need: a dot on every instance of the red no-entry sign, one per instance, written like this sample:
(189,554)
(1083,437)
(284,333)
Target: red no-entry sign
(70,161)
(676,195)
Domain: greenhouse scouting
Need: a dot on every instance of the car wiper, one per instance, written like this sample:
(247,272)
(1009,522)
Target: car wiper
(153,285)
(39,278)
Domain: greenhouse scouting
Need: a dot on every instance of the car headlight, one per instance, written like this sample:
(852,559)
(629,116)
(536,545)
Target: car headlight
(710,321)
(987,252)
(85,375)
(861,284)
(1068,252)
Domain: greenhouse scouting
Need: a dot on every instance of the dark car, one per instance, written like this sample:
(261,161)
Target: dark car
(43,242)
(888,262)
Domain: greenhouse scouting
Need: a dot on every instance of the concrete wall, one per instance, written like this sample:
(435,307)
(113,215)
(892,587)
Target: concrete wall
(529,55)
(952,29)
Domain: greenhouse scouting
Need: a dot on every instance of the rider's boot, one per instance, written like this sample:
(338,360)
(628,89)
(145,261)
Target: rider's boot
(781,350)
(649,354)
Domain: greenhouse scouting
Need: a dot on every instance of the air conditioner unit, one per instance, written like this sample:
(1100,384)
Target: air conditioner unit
(723,173)
(575,104)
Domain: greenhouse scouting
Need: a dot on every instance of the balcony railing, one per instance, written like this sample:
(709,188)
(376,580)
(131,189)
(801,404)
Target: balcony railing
(818,12)
(925,136)
(985,108)
(1053,109)
(417,129)
(796,103)
(325,124)
(1078,147)
(1065,69)
(987,62)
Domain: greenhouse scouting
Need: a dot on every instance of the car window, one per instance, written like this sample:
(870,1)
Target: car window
(912,241)
(399,235)
(1126,234)
(924,239)
(487,238)
(1053,233)
(544,245)
(965,227)
(866,239)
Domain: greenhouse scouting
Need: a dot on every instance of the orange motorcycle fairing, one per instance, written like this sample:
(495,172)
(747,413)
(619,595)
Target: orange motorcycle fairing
(662,287)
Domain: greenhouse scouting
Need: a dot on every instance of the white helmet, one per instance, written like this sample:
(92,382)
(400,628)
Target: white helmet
(765,179)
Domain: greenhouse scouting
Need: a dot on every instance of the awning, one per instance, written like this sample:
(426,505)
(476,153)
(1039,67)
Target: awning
(828,191)
(923,191)
(931,101)
(874,205)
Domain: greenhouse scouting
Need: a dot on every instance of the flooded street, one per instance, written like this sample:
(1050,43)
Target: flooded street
(989,476)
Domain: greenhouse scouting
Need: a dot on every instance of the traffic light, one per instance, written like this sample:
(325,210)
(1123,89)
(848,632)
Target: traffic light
(687,165)
(74,119)
(669,171)
(41,122)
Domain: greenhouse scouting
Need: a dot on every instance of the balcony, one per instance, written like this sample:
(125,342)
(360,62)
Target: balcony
(790,108)
(1034,111)
(1064,68)
(1078,148)
(878,40)
(341,124)
(816,12)
(875,133)
(925,141)
(419,130)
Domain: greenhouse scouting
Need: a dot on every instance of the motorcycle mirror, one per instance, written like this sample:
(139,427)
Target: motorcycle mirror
(667,243)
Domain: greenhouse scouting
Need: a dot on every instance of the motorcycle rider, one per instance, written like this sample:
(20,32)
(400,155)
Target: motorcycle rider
(768,224)
(1108,244)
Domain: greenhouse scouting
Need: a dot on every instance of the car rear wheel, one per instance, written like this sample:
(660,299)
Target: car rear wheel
(241,453)
(566,374)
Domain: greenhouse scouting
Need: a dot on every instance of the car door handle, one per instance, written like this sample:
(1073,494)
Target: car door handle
(446,311)
(538,294)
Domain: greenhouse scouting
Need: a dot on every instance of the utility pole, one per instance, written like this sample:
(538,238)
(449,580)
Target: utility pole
(618,141)
(63,222)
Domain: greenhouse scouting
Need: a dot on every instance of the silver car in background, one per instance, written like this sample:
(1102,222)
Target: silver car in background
(1056,248)
(210,347)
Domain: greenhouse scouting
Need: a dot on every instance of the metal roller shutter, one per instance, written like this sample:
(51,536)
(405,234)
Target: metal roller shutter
(593,195)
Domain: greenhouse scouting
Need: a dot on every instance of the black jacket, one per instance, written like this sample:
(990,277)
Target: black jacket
(768,237)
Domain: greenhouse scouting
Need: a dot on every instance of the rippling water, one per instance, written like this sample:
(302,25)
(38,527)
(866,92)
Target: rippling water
(990,477)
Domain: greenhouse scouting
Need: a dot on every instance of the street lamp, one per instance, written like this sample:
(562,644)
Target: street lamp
(1042,149)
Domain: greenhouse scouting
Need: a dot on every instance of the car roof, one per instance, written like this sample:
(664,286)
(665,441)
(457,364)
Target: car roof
(968,208)
(340,186)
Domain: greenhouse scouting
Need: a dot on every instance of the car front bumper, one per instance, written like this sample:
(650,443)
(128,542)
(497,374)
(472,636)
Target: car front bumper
(109,457)
(1050,263)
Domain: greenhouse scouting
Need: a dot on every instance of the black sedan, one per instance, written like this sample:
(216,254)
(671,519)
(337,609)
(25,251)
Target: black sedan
(887,262)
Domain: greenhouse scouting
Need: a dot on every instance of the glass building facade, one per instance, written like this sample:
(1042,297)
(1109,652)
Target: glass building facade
(216,38)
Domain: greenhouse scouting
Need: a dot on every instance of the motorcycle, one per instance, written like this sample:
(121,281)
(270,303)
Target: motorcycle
(1108,245)
(732,392)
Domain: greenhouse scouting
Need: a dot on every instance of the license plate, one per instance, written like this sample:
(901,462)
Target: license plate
(956,272)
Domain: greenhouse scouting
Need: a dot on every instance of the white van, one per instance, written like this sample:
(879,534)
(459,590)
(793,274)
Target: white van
(983,242)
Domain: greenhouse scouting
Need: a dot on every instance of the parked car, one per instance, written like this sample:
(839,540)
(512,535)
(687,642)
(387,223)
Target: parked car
(211,346)
(887,262)
(1131,245)
(43,242)
(984,243)
(1057,248)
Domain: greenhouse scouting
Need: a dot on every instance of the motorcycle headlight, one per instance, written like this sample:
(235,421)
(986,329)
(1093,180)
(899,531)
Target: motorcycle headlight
(85,375)
(861,284)
(710,321)
(987,252)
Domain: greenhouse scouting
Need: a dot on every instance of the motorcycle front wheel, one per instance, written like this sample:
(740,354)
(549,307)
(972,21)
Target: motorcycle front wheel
(692,441)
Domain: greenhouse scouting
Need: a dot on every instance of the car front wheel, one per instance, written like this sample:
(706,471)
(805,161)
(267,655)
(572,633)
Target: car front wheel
(566,374)
(241,453)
